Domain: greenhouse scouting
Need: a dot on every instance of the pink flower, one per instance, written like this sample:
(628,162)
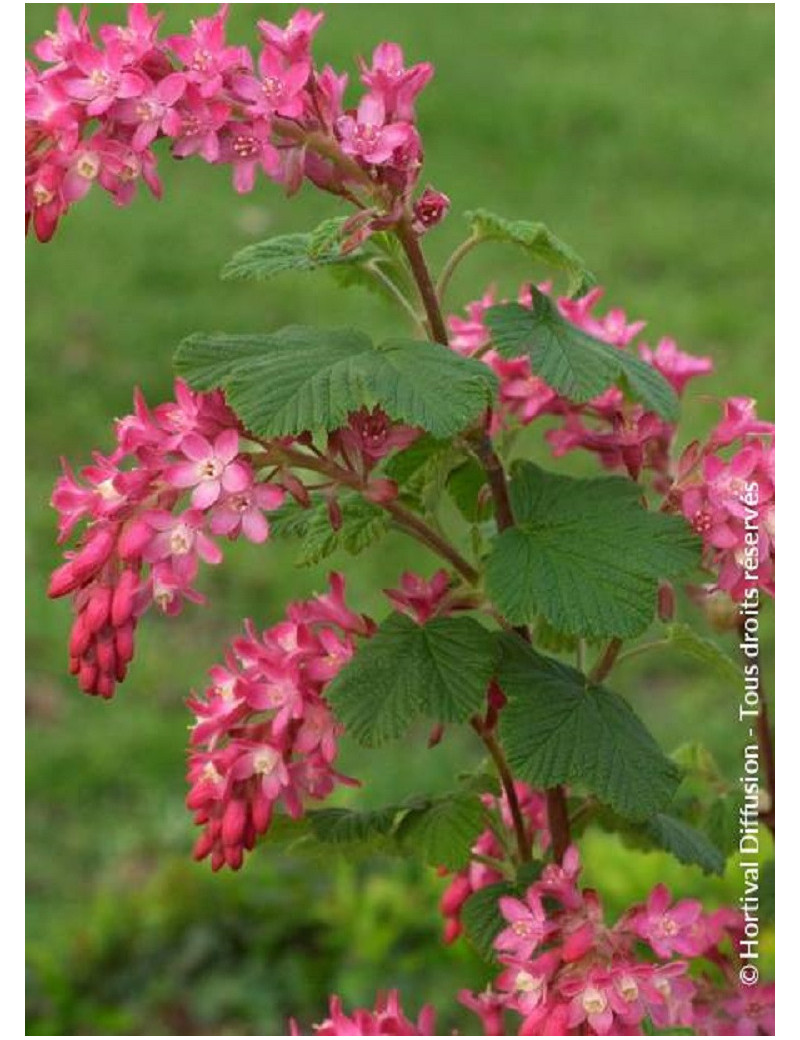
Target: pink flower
(294,41)
(248,148)
(418,598)
(57,47)
(280,89)
(242,512)
(179,540)
(149,112)
(668,931)
(676,366)
(528,925)
(102,77)
(205,56)
(740,420)
(396,86)
(370,435)
(211,469)
(367,136)
(195,124)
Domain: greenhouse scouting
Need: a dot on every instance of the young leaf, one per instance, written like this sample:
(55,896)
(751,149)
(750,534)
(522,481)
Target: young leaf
(301,378)
(362,524)
(558,728)
(294,252)
(443,831)
(689,642)
(439,670)
(573,363)
(585,554)
(538,242)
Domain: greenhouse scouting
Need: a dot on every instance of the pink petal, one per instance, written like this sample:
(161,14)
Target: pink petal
(254,526)
(206,494)
(226,446)
(196,448)
(182,475)
(236,477)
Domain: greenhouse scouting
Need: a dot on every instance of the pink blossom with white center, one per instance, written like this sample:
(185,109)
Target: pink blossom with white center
(211,469)
(527,925)
(280,89)
(366,135)
(668,931)
(102,77)
(242,512)
(180,540)
(148,112)
(590,1003)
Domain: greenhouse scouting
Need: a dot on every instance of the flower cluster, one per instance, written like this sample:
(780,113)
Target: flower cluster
(623,434)
(565,971)
(97,105)
(142,540)
(263,733)
(486,866)
(728,497)
(387,1019)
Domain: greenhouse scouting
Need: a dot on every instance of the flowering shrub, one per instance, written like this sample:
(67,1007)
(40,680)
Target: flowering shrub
(325,436)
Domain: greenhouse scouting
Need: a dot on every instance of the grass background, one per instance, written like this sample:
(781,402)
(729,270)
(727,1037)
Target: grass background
(642,134)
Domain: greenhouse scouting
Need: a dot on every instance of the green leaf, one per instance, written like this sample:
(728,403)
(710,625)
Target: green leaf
(467,484)
(348,826)
(573,363)
(294,252)
(443,831)
(585,554)
(684,638)
(538,242)
(421,471)
(559,728)
(686,843)
(362,524)
(301,378)
(439,670)
(481,916)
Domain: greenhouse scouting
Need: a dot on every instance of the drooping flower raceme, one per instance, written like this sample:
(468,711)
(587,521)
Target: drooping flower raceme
(142,541)
(264,734)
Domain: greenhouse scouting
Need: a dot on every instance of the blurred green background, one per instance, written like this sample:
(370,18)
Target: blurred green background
(643,135)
